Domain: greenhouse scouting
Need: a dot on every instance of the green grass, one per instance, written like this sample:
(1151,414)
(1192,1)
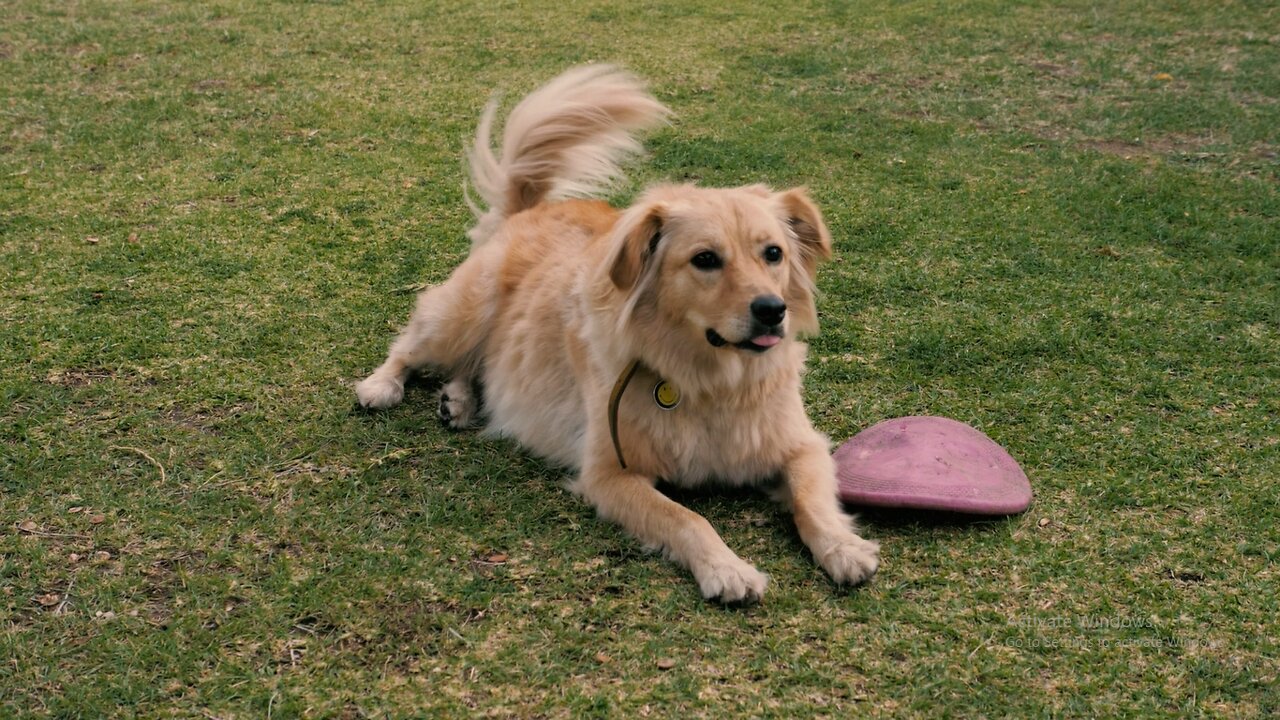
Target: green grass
(1057,223)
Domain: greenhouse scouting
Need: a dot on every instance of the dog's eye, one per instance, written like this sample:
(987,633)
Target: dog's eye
(707,260)
(773,254)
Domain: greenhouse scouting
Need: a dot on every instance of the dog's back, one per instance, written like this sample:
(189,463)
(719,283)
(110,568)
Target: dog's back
(565,140)
(534,364)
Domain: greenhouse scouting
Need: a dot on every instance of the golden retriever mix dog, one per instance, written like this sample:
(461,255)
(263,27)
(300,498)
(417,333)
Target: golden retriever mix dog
(656,342)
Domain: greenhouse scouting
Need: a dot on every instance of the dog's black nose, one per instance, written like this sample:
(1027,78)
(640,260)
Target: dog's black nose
(768,309)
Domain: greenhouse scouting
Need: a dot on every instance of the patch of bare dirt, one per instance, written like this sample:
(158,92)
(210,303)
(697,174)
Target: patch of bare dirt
(1054,69)
(78,377)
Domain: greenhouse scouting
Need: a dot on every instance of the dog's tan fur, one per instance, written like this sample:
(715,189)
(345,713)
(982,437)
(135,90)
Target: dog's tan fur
(558,296)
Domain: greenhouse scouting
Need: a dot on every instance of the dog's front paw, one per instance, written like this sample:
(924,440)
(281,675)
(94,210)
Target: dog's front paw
(377,392)
(851,560)
(457,408)
(731,581)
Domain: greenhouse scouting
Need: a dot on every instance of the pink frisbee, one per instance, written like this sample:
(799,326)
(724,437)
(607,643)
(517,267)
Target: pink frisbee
(930,463)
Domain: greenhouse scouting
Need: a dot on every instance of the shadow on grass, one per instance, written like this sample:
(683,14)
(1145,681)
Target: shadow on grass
(906,519)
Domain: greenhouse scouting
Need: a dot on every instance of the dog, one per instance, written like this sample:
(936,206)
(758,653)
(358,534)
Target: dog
(661,341)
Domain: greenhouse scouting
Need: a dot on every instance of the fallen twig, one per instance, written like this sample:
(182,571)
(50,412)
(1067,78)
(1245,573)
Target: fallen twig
(66,597)
(42,533)
(164,479)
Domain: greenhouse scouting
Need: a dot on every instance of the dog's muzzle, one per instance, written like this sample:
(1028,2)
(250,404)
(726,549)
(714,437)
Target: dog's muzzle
(767,314)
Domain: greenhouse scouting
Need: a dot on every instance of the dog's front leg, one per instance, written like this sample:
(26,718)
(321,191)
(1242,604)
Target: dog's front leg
(809,488)
(684,536)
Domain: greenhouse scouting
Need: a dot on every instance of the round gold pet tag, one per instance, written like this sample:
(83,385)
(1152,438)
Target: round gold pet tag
(666,395)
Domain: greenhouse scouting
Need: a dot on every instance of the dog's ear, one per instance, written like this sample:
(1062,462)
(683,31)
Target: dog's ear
(805,221)
(638,233)
(813,245)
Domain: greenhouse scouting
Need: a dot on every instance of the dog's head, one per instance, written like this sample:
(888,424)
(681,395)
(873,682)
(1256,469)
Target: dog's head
(721,270)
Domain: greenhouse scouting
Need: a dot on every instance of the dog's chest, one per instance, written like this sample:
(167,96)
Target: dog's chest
(694,442)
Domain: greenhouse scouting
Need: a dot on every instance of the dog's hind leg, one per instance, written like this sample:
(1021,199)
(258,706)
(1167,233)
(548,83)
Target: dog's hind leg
(446,332)
(458,404)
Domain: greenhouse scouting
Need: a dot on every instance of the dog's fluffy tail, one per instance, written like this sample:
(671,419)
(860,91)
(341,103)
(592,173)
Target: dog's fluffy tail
(566,139)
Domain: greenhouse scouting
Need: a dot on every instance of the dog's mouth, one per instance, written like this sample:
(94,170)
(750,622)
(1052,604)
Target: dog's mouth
(764,339)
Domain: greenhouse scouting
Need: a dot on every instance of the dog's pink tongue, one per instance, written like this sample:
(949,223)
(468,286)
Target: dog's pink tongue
(766,340)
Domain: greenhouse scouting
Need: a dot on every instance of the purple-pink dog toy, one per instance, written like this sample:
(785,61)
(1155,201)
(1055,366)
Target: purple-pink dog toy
(930,463)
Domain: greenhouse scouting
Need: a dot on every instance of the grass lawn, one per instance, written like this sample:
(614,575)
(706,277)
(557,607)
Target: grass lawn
(1058,223)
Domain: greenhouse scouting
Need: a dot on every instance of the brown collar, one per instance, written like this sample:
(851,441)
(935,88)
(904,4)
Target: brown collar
(666,395)
(615,398)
